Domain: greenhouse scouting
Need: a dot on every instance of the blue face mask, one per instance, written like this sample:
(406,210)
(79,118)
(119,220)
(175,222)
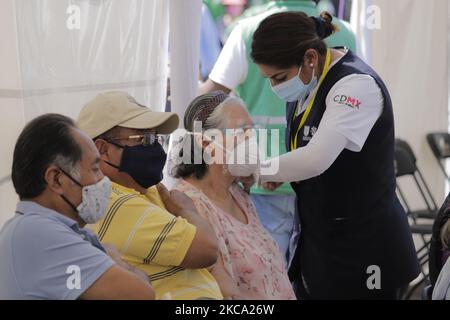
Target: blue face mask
(294,89)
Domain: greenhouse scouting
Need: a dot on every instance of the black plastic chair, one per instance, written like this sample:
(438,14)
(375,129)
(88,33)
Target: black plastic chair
(406,165)
(439,143)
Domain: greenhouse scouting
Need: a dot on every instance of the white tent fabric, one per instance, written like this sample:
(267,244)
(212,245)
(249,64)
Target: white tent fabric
(410,52)
(362,30)
(120,44)
(123,44)
(58,54)
(185,17)
(184,45)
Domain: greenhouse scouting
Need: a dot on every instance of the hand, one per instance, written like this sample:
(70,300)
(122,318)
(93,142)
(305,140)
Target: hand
(271,186)
(175,201)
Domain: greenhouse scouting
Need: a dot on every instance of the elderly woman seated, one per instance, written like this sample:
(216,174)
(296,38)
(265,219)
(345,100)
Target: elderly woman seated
(251,265)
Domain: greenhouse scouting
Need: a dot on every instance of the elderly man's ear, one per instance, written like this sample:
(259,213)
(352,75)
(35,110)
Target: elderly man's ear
(103,148)
(53,177)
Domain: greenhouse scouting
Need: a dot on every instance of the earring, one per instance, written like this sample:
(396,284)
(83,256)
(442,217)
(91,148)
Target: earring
(311,65)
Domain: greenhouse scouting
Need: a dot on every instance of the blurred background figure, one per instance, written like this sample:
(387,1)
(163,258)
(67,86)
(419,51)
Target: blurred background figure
(210,44)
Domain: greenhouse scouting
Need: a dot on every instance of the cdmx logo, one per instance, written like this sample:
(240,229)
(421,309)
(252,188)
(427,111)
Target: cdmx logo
(347,101)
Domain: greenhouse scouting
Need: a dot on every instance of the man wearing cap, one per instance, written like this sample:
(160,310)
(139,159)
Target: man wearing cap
(173,246)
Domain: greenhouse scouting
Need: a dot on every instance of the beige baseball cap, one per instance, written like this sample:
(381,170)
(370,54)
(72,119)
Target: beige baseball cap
(118,108)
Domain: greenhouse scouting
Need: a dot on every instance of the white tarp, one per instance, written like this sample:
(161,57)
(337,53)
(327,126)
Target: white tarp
(58,54)
(410,52)
(123,44)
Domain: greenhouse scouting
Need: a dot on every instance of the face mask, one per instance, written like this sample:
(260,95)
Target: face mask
(294,89)
(243,160)
(95,199)
(144,164)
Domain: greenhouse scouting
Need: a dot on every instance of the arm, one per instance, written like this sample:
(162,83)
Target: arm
(59,264)
(343,126)
(112,251)
(230,69)
(118,283)
(203,251)
(307,162)
(209,86)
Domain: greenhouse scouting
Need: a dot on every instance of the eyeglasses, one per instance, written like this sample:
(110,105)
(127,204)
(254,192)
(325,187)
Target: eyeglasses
(145,139)
(243,130)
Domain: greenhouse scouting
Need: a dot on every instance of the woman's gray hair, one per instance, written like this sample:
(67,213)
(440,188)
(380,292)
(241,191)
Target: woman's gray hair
(205,112)
(217,117)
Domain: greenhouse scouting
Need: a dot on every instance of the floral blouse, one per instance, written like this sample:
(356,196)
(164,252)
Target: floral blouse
(251,265)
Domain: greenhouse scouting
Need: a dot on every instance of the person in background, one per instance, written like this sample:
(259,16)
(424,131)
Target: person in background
(355,242)
(442,287)
(251,265)
(235,71)
(210,44)
(158,232)
(45,251)
(233,10)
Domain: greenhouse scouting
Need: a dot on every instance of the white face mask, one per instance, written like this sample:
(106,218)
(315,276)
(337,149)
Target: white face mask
(244,159)
(95,199)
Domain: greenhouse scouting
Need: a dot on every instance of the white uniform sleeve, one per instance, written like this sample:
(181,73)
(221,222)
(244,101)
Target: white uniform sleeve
(230,69)
(307,162)
(354,104)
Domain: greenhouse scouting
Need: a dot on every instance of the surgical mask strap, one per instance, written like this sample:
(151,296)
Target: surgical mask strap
(209,140)
(111,164)
(312,76)
(69,203)
(115,144)
(118,146)
(63,196)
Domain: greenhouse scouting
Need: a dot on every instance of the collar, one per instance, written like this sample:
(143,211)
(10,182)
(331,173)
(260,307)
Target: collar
(124,189)
(30,207)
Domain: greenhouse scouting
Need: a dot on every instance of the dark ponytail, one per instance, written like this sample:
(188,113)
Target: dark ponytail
(282,39)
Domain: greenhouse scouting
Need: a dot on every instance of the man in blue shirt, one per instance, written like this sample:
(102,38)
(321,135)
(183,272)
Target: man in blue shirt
(44,251)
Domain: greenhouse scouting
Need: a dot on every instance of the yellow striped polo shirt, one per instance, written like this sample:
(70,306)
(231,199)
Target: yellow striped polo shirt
(153,240)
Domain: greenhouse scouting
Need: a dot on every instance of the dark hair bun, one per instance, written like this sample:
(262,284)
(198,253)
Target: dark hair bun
(324,25)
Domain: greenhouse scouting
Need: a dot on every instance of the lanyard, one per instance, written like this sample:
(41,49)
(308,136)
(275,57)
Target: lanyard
(308,109)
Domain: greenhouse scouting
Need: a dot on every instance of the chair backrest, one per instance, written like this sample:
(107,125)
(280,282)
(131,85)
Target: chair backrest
(427,292)
(439,143)
(405,160)
(406,165)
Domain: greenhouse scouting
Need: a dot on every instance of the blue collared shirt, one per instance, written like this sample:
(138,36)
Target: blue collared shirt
(45,255)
